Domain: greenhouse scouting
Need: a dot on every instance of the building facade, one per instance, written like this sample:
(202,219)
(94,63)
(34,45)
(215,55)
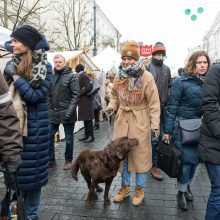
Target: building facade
(211,40)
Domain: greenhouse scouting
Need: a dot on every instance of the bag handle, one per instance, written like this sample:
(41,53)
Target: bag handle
(22,215)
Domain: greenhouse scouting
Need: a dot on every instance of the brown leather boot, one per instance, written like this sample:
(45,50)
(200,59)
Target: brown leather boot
(123,192)
(138,196)
(155,172)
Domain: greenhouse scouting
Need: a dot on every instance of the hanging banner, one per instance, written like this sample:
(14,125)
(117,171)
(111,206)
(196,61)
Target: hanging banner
(146,50)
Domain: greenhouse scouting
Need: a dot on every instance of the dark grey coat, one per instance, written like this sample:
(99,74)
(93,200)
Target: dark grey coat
(63,97)
(162,77)
(209,146)
(85,110)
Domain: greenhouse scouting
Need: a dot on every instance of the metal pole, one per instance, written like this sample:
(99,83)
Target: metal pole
(94,27)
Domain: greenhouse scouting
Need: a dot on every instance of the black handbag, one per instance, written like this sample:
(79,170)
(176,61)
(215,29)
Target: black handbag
(190,131)
(168,159)
(95,87)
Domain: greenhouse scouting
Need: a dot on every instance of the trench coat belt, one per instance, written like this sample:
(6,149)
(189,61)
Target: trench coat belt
(131,109)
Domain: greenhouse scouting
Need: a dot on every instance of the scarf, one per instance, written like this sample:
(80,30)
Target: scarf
(157,62)
(201,77)
(130,82)
(39,62)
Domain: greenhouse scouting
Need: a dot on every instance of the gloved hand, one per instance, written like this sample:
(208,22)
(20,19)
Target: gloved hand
(10,70)
(109,111)
(10,164)
(155,134)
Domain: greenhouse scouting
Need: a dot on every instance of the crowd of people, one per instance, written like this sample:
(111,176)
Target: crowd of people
(147,104)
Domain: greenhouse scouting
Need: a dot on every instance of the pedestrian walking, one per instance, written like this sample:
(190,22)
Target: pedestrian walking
(209,146)
(85,106)
(162,77)
(29,74)
(63,100)
(135,100)
(185,103)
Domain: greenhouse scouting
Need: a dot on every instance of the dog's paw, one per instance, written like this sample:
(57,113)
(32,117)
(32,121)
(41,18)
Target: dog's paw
(107,201)
(89,204)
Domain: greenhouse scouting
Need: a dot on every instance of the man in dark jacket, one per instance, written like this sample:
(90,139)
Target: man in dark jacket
(162,77)
(209,146)
(63,100)
(10,138)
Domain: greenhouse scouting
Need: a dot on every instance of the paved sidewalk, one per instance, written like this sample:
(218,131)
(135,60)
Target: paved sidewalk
(65,199)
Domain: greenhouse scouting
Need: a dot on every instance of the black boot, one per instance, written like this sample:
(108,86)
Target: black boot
(84,138)
(188,194)
(89,140)
(181,200)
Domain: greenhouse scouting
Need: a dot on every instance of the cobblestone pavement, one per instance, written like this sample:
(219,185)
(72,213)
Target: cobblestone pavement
(65,199)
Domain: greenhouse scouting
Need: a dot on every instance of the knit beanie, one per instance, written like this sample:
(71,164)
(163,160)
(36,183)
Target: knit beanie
(158,48)
(79,68)
(27,35)
(130,49)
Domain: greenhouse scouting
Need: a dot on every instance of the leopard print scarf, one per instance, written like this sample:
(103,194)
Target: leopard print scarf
(39,71)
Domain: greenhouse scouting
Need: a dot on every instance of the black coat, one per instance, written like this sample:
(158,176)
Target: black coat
(85,111)
(63,97)
(209,146)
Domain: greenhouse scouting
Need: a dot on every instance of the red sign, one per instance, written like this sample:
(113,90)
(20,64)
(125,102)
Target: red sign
(146,50)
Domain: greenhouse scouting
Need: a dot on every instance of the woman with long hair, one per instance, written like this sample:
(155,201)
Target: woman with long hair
(28,75)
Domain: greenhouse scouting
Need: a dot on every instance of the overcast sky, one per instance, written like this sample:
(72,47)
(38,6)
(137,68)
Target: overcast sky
(149,21)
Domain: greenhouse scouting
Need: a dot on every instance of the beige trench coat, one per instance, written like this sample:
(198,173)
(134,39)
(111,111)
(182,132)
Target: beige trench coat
(134,120)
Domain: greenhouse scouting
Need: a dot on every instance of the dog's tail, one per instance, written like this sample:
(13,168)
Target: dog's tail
(74,170)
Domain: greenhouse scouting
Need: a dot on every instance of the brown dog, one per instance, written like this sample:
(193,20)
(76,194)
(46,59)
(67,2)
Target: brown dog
(102,166)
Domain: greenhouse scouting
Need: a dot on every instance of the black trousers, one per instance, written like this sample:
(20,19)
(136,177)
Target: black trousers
(89,132)
(96,114)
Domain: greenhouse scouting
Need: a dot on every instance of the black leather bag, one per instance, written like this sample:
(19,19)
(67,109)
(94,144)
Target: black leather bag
(95,87)
(168,159)
(190,131)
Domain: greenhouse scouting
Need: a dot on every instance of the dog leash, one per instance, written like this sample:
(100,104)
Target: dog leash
(109,127)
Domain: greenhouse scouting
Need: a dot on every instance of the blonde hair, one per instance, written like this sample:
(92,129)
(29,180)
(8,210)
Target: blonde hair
(25,67)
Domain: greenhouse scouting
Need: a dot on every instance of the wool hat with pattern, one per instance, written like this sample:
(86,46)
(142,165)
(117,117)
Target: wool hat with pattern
(130,49)
(27,35)
(158,48)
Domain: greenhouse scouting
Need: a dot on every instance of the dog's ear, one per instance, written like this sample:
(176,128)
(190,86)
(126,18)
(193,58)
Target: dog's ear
(118,152)
(103,158)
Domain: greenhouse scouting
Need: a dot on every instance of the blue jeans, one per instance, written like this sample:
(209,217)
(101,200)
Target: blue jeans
(188,172)
(32,202)
(69,137)
(213,206)
(140,177)
(156,142)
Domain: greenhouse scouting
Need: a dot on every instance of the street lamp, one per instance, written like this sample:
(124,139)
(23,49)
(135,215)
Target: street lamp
(94,28)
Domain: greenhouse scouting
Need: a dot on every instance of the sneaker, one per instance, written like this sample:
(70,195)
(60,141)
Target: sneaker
(155,172)
(138,196)
(67,165)
(123,192)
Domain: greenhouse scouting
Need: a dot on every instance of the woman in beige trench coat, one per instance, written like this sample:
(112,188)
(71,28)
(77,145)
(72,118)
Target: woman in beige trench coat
(135,99)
